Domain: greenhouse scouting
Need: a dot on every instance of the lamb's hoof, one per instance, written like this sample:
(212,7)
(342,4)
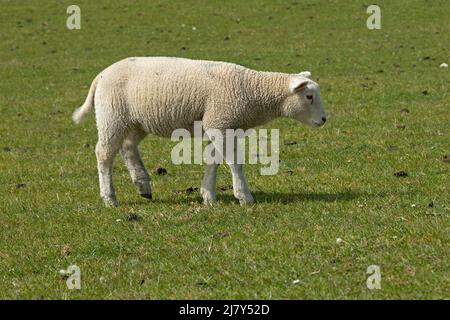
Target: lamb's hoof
(209,202)
(246,200)
(147,195)
(209,198)
(110,202)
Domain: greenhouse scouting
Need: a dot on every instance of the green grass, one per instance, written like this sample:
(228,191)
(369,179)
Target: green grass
(342,186)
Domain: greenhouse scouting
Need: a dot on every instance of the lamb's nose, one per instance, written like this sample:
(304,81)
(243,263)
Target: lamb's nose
(324,119)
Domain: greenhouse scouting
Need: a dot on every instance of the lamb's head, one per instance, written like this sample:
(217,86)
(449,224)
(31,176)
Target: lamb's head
(304,103)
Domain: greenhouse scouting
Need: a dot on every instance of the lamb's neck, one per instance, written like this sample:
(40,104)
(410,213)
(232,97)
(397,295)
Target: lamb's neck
(268,90)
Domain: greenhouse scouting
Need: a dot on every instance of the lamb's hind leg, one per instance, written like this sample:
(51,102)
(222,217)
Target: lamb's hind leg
(131,157)
(105,150)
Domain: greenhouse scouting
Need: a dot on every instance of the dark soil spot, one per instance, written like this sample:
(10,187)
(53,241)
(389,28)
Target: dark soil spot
(190,189)
(64,276)
(133,217)
(226,38)
(222,234)
(66,250)
(21,185)
(431,204)
(226,188)
(400,174)
(425,92)
(404,110)
(380,71)
(201,283)
(86,145)
(290,143)
(426,58)
(160,171)
(446,158)
(55,113)
(183,48)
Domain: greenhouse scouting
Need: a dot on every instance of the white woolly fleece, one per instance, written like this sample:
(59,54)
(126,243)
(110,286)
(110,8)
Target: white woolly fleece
(161,94)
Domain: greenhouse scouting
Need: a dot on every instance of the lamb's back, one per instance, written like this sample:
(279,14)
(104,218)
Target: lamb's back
(163,94)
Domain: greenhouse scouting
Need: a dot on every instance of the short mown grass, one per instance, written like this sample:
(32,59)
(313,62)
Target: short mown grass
(335,182)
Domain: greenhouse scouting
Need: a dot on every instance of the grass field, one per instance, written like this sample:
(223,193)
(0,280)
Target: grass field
(335,182)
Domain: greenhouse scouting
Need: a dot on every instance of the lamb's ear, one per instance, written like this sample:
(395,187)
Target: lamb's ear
(297,84)
(306,74)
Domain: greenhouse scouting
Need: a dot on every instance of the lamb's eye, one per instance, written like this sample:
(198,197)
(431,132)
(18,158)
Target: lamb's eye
(309,97)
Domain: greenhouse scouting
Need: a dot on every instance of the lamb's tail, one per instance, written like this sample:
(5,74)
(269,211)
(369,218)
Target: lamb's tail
(80,113)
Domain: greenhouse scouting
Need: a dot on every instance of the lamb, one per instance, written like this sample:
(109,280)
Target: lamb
(141,95)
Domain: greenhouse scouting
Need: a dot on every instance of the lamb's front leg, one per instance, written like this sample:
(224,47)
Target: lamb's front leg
(240,187)
(234,158)
(208,188)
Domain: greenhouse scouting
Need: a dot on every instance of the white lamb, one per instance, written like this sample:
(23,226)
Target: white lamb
(142,95)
